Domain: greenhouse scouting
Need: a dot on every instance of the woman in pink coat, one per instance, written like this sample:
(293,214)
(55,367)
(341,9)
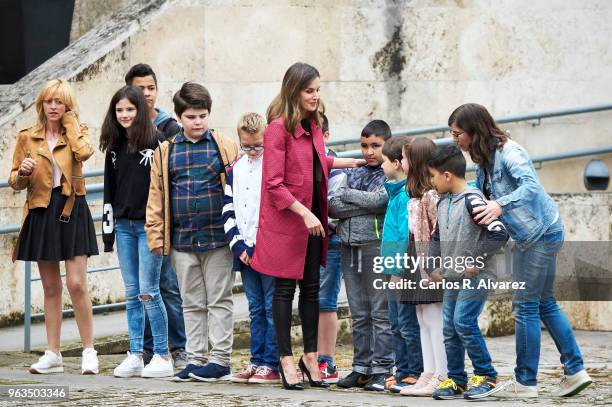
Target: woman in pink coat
(291,239)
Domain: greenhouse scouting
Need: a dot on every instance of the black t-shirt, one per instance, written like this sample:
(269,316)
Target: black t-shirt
(317,174)
(487,187)
(127,175)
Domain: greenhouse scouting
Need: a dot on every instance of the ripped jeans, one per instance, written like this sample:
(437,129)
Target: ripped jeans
(140,270)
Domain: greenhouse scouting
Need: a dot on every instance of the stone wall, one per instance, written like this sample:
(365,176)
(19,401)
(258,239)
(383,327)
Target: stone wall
(90,13)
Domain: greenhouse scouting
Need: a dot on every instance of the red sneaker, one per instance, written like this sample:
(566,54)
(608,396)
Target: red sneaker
(328,374)
(265,375)
(244,375)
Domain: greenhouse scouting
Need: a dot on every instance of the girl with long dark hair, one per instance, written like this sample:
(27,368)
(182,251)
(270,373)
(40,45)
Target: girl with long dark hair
(128,138)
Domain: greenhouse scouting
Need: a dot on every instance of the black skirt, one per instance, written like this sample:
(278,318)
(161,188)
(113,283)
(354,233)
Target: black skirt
(44,237)
(418,295)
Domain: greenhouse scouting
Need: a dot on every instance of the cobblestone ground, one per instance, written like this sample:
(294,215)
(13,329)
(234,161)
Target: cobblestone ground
(105,390)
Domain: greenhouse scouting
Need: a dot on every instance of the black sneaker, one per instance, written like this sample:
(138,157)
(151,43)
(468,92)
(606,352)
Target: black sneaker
(183,375)
(354,379)
(377,382)
(448,390)
(179,356)
(211,372)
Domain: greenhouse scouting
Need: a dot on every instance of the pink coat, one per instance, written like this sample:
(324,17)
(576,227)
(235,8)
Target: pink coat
(282,237)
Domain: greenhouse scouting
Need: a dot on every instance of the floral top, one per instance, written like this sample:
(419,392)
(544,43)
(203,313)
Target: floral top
(422,219)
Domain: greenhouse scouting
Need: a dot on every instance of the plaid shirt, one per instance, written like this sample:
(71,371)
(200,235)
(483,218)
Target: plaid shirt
(196,196)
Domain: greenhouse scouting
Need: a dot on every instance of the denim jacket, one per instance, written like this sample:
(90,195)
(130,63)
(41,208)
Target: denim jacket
(527,210)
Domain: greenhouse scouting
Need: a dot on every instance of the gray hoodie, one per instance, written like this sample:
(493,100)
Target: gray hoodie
(360,203)
(458,235)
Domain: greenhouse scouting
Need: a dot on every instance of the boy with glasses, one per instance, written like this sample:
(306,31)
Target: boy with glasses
(240,217)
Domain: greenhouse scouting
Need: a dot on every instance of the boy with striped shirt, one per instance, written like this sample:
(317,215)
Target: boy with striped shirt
(241,216)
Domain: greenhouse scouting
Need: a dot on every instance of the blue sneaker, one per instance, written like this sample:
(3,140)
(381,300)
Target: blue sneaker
(481,387)
(183,375)
(395,386)
(211,372)
(448,390)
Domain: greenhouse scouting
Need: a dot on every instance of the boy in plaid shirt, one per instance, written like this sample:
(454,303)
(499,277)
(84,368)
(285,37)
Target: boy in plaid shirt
(184,219)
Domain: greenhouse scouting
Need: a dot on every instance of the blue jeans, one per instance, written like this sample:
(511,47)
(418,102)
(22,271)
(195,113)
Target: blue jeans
(331,278)
(171,295)
(140,270)
(536,265)
(461,308)
(406,337)
(259,290)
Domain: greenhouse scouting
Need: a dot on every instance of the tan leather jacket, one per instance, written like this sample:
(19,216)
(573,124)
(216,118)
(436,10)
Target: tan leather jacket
(71,150)
(158,223)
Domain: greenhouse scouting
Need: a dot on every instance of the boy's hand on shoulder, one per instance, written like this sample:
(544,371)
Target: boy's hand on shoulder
(158,251)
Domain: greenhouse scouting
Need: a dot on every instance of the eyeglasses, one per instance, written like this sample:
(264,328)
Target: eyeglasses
(456,134)
(246,148)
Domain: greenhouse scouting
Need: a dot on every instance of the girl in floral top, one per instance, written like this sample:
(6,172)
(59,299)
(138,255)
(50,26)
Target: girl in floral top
(422,224)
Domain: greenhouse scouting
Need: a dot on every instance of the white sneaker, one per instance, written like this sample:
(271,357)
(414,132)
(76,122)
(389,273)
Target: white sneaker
(513,389)
(50,362)
(573,384)
(428,389)
(131,366)
(89,361)
(158,367)
(420,383)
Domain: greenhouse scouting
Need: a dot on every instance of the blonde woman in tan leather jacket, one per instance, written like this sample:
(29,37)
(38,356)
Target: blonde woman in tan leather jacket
(57,224)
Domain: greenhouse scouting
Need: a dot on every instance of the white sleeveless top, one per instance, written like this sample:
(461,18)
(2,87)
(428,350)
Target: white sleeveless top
(57,172)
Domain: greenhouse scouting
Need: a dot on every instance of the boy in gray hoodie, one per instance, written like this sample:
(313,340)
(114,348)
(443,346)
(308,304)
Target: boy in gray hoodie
(466,249)
(360,206)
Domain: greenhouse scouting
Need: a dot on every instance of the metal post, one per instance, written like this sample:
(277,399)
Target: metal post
(27,312)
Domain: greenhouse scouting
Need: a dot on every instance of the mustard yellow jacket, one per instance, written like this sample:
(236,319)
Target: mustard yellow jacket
(71,150)
(158,223)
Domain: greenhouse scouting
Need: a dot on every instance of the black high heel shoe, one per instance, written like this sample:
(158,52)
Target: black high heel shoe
(313,383)
(287,386)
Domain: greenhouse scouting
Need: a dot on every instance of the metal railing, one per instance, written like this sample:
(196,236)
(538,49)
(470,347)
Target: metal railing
(537,117)
(27,296)
(94,192)
(28,317)
(535,159)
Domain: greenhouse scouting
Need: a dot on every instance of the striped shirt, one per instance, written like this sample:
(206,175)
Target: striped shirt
(196,195)
(241,209)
